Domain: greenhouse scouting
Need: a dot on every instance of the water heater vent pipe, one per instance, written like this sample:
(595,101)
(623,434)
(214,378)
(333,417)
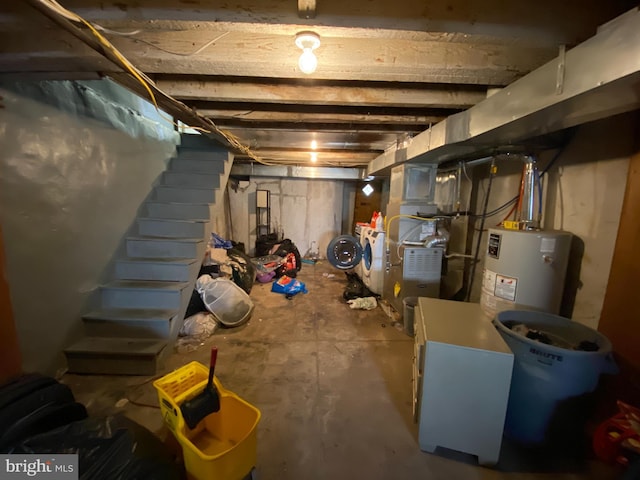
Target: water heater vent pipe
(529,217)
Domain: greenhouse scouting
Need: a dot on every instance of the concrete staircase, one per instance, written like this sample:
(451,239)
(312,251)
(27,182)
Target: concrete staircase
(141,311)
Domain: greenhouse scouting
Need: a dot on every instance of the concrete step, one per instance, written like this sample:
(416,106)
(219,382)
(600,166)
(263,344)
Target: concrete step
(171,228)
(115,356)
(156,247)
(182,211)
(195,140)
(163,269)
(206,154)
(198,180)
(184,195)
(196,166)
(128,322)
(142,294)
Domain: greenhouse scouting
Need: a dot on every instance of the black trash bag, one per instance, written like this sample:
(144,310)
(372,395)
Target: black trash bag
(22,386)
(355,288)
(293,262)
(238,246)
(196,305)
(53,394)
(264,244)
(33,404)
(243,269)
(43,419)
(108,448)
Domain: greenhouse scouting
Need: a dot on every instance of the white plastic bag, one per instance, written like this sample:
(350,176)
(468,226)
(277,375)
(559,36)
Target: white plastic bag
(202,281)
(195,330)
(201,324)
(365,303)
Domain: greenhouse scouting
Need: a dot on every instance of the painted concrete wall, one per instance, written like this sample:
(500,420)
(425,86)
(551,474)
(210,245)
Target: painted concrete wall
(303,210)
(70,188)
(583,195)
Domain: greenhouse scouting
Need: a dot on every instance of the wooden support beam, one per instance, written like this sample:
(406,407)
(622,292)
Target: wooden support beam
(423,96)
(307,8)
(619,318)
(351,140)
(544,22)
(249,116)
(275,56)
(287,157)
(48,76)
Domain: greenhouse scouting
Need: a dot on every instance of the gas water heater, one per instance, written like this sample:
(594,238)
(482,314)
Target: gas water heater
(524,270)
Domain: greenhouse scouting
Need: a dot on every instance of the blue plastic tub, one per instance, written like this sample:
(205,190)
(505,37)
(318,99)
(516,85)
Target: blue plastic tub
(548,377)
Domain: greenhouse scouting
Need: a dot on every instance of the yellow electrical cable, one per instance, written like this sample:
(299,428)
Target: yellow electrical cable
(132,70)
(233,141)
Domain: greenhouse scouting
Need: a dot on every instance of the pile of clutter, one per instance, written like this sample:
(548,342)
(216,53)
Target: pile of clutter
(281,265)
(549,338)
(221,294)
(40,416)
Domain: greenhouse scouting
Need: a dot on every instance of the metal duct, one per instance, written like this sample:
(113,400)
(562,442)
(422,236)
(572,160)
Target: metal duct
(601,79)
(295,171)
(441,239)
(436,241)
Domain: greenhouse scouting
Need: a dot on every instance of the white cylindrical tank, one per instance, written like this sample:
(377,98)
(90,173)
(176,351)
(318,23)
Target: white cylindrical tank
(524,270)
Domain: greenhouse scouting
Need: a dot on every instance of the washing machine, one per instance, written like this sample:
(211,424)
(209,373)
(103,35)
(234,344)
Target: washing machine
(364,255)
(373,259)
(362,234)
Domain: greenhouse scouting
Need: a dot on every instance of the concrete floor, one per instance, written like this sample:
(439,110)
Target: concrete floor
(334,388)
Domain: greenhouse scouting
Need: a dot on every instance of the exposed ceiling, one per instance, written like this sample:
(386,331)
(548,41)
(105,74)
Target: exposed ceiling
(386,70)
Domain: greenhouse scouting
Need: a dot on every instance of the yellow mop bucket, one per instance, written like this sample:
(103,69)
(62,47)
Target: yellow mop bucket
(223,445)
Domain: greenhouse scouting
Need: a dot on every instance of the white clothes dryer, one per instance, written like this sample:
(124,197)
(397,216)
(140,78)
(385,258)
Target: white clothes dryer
(373,259)
(359,268)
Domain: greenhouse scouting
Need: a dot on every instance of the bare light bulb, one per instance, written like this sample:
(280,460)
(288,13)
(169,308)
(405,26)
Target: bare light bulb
(307,42)
(308,61)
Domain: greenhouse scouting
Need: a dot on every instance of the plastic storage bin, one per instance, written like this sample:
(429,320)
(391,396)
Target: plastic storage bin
(549,382)
(227,301)
(223,445)
(268,263)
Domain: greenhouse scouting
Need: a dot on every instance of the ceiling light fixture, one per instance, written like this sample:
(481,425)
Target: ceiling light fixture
(314,157)
(314,144)
(307,42)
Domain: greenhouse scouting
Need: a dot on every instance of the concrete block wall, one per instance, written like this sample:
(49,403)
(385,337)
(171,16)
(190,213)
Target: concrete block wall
(304,210)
